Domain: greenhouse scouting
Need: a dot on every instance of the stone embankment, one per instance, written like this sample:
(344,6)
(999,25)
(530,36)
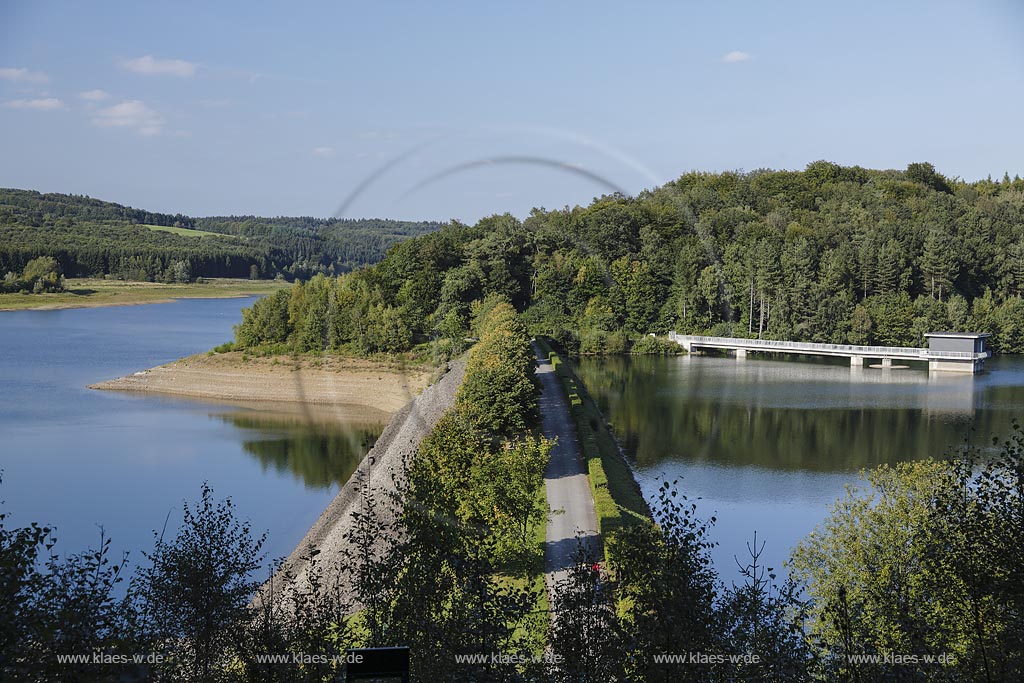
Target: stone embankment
(381,472)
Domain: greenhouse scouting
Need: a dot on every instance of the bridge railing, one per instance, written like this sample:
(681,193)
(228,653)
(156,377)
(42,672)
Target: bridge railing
(851,349)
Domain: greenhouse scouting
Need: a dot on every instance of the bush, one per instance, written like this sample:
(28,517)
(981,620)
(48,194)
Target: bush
(565,340)
(444,349)
(593,342)
(42,274)
(600,342)
(194,596)
(654,346)
(615,342)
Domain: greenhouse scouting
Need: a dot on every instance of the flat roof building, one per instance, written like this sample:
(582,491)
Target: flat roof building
(967,342)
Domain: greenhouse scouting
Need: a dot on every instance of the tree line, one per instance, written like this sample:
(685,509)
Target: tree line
(92,238)
(829,254)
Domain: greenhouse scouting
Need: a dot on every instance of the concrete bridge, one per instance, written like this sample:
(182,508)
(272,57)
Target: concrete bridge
(938,359)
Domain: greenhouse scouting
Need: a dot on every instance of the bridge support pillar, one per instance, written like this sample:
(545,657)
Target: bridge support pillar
(886,362)
(856,361)
(741,354)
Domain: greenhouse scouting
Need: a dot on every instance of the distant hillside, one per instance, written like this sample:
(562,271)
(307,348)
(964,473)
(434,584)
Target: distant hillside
(833,254)
(90,237)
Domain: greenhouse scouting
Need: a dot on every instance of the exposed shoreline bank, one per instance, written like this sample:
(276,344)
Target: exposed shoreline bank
(325,381)
(98,293)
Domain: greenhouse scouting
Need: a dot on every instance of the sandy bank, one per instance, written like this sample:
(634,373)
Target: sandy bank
(226,377)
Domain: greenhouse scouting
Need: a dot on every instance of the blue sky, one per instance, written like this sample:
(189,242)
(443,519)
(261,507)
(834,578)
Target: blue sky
(230,107)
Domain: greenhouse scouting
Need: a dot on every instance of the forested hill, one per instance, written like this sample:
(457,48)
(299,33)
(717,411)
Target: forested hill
(828,254)
(90,237)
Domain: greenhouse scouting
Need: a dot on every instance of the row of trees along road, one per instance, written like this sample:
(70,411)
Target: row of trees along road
(828,254)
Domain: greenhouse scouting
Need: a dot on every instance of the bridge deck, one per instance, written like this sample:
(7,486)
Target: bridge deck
(811,348)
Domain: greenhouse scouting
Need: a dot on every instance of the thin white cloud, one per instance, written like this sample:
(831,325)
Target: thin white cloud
(151,66)
(23,75)
(736,56)
(44,104)
(130,114)
(94,95)
(323,151)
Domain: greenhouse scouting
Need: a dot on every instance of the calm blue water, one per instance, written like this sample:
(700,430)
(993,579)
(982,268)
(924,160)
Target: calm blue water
(769,445)
(77,458)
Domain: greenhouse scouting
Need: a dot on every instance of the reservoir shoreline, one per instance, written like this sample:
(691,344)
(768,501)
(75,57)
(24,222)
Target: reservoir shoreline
(326,381)
(100,293)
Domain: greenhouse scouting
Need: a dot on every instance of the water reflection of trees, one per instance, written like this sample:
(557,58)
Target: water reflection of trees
(661,413)
(320,452)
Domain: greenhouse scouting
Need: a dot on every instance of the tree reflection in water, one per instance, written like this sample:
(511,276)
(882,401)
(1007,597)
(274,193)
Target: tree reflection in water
(320,447)
(796,415)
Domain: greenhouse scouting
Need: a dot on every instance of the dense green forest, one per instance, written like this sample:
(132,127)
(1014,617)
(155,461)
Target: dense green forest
(828,254)
(92,238)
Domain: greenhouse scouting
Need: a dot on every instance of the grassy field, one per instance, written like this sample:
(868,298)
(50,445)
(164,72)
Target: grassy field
(617,498)
(88,292)
(186,232)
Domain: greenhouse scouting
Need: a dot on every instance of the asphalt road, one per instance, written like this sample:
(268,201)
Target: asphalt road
(572,506)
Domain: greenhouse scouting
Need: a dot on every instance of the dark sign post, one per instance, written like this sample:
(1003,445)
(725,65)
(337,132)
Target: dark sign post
(377,664)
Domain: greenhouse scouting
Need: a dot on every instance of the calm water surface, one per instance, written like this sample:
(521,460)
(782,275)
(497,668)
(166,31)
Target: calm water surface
(768,445)
(78,458)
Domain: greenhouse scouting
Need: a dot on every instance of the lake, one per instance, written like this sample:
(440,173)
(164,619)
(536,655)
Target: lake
(769,445)
(77,458)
